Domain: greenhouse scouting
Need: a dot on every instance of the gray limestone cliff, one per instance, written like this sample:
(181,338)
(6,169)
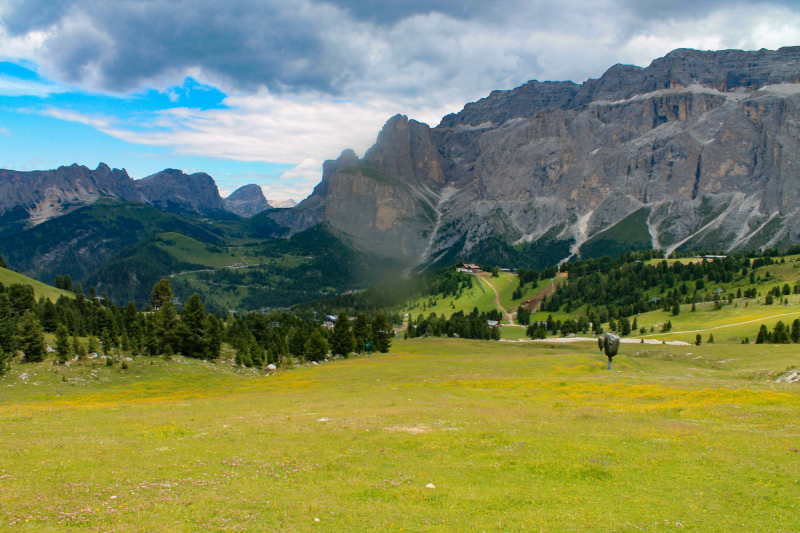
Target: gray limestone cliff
(33,197)
(247,201)
(700,150)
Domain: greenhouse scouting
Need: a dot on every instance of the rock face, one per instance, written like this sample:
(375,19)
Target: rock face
(33,197)
(247,201)
(282,204)
(172,190)
(700,150)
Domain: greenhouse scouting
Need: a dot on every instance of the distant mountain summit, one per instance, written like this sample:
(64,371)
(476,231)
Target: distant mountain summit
(30,198)
(700,150)
(247,201)
(285,204)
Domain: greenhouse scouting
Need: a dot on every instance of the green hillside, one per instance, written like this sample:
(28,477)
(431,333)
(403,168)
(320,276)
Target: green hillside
(8,277)
(84,240)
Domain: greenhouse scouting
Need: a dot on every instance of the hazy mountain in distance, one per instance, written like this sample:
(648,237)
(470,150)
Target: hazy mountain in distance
(247,201)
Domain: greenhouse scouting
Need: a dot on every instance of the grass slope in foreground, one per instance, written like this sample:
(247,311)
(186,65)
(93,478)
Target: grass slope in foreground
(515,437)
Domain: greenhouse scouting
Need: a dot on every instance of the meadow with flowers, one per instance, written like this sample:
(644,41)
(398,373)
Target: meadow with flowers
(437,435)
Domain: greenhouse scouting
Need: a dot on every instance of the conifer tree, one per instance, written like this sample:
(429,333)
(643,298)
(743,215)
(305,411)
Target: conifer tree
(191,328)
(78,348)
(30,338)
(92,345)
(213,340)
(63,348)
(361,332)
(381,330)
(297,342)
(342,340)
(780,334)
(763,335)
(3,263)
(162,293)
(317,347)
(795,335)
(106,342)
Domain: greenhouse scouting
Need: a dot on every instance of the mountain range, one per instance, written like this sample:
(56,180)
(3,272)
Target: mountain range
(697,151)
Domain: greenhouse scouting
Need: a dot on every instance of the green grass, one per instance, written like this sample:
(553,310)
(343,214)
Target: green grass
(189,250)
(514,436)
(8,277)
(480,295)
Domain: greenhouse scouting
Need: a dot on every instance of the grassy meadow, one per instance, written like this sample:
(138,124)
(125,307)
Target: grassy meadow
(9,277)
(514,437)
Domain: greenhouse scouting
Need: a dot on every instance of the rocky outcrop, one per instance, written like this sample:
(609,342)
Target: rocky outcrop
(172,190)
(247,201)
(700,150)
(34,197)
(282,204)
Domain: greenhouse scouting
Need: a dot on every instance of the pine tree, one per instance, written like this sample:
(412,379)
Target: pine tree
(3,263)
(711,339)
(361,331)
(763,335)
(106,342)
(698,340)
(78,348)
(63,348)
(30,338)
(213,340)
(780,334)
(317,347)
(92,345)
(381,330)
(796,331)
(191,330)
(168,352)
(297,342)
(162,293)
(342,340)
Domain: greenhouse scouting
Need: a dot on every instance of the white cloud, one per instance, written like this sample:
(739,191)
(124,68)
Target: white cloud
(423,65)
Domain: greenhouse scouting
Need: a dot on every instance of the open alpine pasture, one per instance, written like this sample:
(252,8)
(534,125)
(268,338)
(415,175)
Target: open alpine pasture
(513,436)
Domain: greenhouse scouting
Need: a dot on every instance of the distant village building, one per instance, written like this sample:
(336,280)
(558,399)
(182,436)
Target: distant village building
(493,323)
(469,268)
(331,318)
(237,265)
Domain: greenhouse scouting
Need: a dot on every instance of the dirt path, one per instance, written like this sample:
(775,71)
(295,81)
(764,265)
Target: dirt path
(534,302)
(508,316)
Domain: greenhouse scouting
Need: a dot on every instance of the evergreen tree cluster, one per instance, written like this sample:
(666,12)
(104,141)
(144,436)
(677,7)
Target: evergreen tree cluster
(472,326)
(780,334)
(626,286)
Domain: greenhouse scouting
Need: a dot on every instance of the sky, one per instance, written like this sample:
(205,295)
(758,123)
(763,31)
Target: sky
(264,91)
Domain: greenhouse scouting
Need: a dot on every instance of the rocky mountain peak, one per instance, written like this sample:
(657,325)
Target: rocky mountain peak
(247,201)
(698,150)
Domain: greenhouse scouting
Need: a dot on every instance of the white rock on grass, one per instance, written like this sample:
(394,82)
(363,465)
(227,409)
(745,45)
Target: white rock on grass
(430,486)
(271,367)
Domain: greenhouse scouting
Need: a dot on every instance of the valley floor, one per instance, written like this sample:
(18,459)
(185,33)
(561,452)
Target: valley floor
(514,437)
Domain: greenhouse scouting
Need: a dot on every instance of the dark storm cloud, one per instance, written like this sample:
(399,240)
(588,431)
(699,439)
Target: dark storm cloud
(336,47)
